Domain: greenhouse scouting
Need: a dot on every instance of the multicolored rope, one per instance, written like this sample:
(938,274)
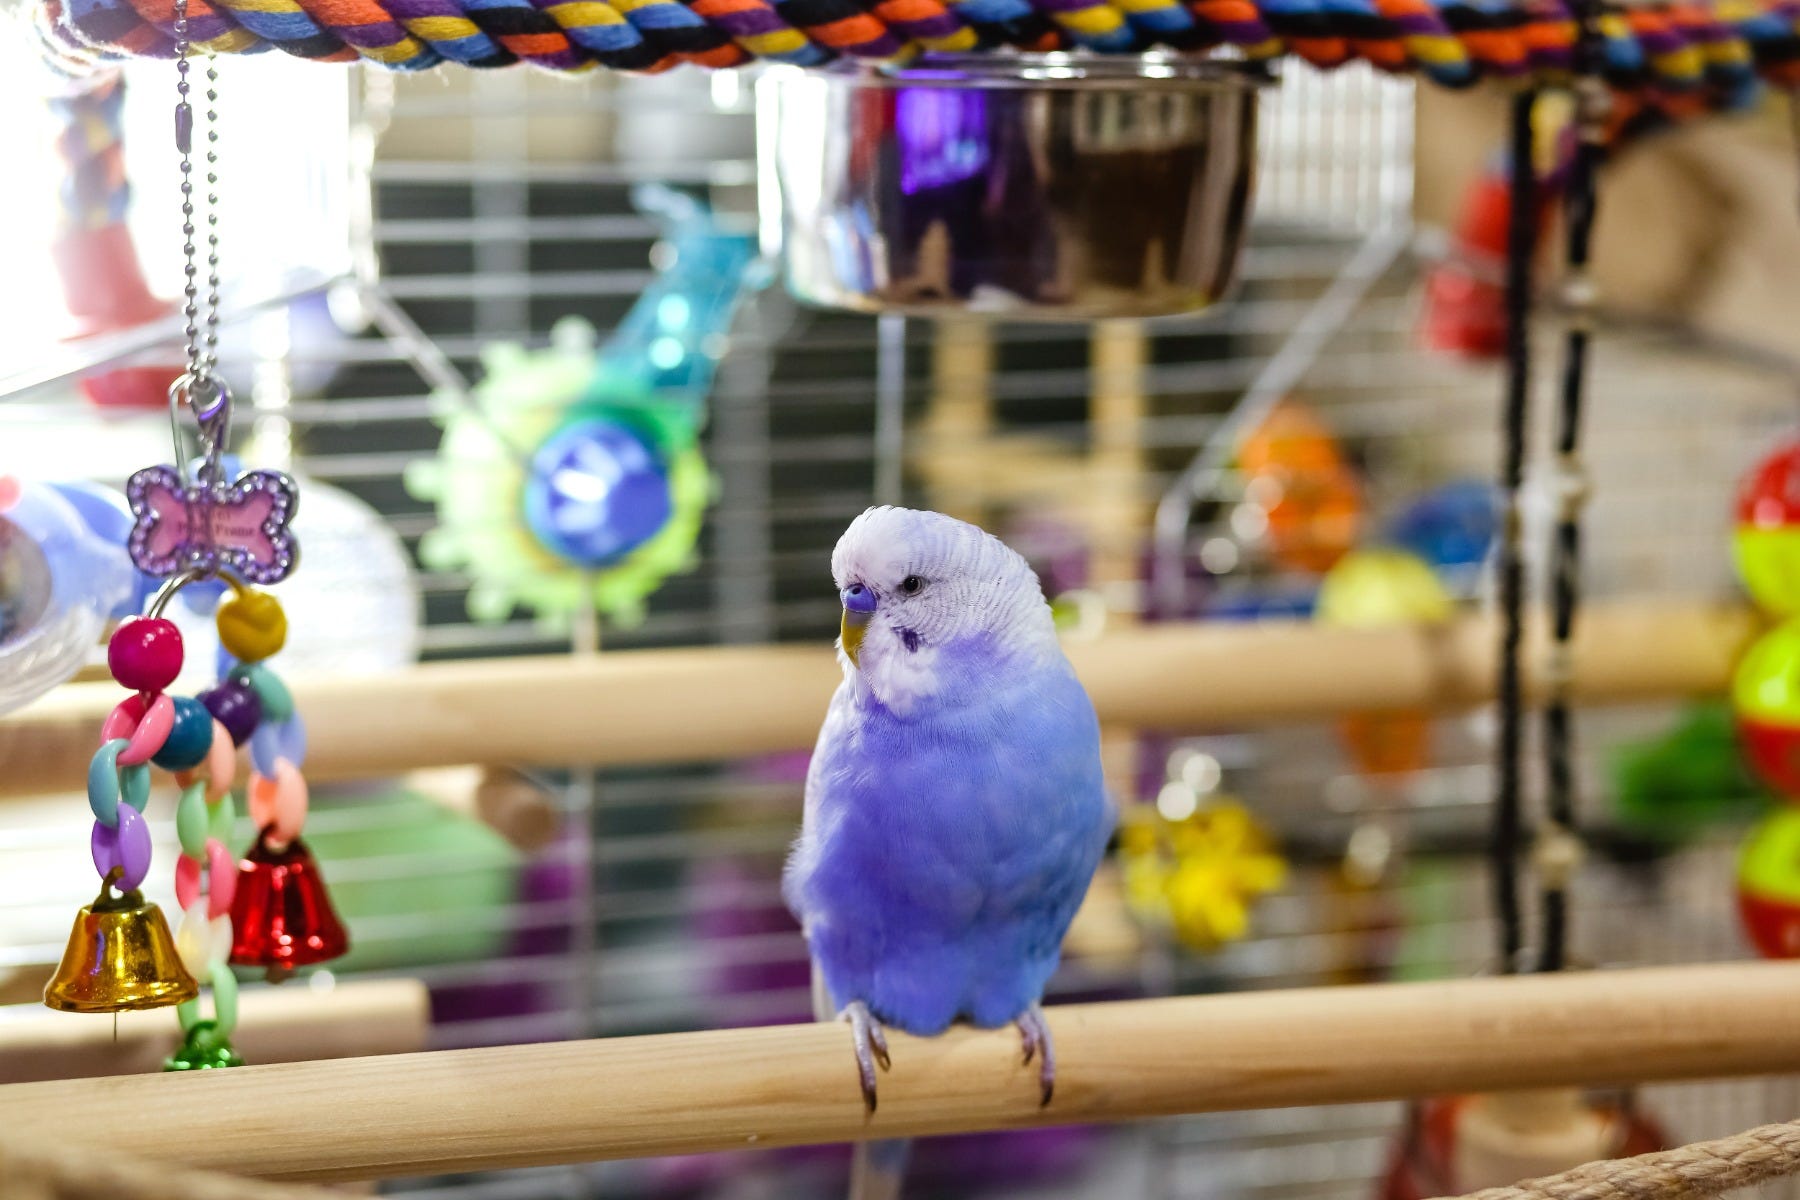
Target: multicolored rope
(1720,48)
(94,191)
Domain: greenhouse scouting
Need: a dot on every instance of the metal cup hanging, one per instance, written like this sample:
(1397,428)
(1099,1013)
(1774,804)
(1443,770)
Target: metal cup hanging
(1056,186)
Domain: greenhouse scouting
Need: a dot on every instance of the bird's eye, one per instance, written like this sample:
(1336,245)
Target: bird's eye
(912,585)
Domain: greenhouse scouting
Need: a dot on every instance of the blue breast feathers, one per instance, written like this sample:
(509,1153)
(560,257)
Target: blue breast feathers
(945,854)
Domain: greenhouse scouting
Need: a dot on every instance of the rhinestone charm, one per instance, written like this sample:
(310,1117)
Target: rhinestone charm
(241,527)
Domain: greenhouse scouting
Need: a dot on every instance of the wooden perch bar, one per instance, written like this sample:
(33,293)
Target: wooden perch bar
(275,1025)
(712,703)
(513,1106)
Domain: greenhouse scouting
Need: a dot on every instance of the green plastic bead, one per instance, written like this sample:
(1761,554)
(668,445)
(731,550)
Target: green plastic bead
(219,818)
(277,701)
(225,999)
(204,1048)
(134,785)
(191,820)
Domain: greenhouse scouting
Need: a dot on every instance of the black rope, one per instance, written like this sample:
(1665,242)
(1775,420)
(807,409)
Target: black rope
(1520,240)
(1565,562)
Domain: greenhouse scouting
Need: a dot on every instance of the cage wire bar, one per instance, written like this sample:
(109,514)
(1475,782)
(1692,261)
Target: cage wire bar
(501,204)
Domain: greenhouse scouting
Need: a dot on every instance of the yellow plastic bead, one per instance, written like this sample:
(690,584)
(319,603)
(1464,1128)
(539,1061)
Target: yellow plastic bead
(252,626)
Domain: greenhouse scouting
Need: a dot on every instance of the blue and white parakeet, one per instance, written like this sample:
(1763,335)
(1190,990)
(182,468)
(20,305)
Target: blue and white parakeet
(955,811)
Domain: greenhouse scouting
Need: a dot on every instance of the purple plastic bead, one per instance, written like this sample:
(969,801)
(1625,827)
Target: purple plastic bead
(271,743)
(235,705)
(126,846)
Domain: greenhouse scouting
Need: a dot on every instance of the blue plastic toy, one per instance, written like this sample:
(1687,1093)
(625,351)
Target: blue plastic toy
(60,582)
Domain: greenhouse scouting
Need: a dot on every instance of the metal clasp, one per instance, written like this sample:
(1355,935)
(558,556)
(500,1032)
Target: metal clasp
(207,397)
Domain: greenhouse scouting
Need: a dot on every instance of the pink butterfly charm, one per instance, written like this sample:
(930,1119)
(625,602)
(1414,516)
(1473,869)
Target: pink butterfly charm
(240,527)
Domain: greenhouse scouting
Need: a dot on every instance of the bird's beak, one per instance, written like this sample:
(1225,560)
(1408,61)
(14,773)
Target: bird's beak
(859,606)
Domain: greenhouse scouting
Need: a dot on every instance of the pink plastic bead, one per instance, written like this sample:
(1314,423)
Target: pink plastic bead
(145,723)
(187,882)
(278,805)
(221,880)
(222,877)
(145,654)
(220,767)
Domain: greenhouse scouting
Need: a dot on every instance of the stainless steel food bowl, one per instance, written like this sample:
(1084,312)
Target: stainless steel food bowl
(1027,185)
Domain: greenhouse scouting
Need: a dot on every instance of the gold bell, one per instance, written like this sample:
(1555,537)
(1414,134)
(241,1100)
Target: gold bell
(120,956)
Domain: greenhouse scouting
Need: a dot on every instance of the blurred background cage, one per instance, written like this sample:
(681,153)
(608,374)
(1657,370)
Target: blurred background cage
(502,203)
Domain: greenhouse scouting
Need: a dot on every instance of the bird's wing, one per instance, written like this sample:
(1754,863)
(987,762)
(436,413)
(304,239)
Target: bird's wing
(838,724)
(1052,791)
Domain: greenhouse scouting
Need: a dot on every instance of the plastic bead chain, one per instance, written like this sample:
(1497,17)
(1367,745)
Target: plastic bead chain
(1719,48)
(196,738)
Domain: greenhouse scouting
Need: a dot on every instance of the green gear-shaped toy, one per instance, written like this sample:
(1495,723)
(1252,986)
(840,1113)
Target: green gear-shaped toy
(477,482)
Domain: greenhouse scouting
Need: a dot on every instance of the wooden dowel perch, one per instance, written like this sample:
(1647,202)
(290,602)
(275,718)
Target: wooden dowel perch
(713,703)
(1690,1172)
(466,1110)
(43,1171)
(276,1025)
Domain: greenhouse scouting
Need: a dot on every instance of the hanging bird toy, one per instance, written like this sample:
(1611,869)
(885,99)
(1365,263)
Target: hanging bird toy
(200,522)
(572,478)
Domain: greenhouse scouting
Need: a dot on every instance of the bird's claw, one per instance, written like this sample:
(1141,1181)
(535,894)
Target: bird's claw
(878,1044)
(1034,1031)
(869,1040)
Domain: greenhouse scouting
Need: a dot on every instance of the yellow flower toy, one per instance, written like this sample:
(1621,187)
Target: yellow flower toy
(1198,876)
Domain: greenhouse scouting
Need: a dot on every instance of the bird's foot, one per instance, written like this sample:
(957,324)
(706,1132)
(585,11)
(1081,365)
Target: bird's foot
(869,1040)
(1035,1032)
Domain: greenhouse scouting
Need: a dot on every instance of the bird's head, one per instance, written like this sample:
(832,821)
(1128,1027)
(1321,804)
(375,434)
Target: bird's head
(931,602)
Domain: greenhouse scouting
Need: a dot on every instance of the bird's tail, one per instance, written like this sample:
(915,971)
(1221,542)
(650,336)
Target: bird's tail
(877,1169)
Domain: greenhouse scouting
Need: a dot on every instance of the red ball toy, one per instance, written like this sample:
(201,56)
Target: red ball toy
(145,654)
(1769,885)
(1766,543)
(1769,496)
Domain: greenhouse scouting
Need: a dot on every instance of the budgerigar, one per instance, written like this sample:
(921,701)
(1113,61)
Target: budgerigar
(955,811)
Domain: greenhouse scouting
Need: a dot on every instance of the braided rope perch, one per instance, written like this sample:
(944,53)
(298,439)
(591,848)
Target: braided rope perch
(1685,1173)
(1716,49)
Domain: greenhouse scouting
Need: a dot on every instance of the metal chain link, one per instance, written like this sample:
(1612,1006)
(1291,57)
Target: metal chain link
(211,357)
(202,334)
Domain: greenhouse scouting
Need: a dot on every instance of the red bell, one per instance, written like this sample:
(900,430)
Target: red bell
(281,916)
